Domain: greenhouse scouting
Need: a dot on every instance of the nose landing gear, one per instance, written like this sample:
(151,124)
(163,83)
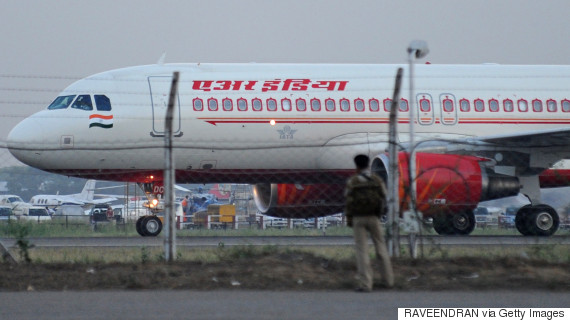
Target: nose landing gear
(149,226)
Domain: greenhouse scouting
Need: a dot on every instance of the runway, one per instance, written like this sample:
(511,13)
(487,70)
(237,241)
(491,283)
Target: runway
(257,305)
(281,241)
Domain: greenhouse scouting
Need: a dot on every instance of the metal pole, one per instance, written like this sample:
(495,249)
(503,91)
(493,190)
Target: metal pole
(169,179)
(417,49)
(393,196)
(412,153)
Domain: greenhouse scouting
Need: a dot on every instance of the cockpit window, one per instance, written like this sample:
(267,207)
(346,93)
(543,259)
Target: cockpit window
(61,102)
(83,102)
(103,103)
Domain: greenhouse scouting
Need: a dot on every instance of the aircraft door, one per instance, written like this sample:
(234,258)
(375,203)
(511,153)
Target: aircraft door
(448,109)
(159,92)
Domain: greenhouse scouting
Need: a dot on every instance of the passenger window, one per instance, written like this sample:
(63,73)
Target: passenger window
(425,105)
(316,105)
(271,105)
(242,104)
(61,102)
(387,105)
(565,105)
(464,105)
(330,105)
(227,104)
(404,105)
(213,104)
(479,105)
(103,103)
(359,105)
(551,106)
(493,105)
(83,102)
(536,105)
(523,105)
(256,105)
(508,105)
(344,105)
(374,105)
(286,104)
(447,105)
(198,104)
(301,105)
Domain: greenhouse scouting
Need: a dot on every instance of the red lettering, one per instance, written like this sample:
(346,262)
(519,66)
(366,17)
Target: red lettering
(271,85)
(250,84)
(158,190)
(330,85)
(296,84)
(202,85)
(224,85)
(236,85)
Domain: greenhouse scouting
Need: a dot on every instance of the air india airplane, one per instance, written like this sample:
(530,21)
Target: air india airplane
(484,132)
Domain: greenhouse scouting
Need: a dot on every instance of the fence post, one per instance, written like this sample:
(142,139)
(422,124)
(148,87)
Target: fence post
(169,177)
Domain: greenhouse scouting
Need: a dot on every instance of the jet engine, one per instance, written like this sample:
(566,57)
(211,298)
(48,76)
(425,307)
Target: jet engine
(298,201)
(448,187)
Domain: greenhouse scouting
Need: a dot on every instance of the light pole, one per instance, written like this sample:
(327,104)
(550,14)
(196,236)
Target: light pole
(416,50)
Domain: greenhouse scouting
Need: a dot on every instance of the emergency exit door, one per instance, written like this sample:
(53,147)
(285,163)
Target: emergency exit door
(159,93)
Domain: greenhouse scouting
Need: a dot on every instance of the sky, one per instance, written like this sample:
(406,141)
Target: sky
(46,45)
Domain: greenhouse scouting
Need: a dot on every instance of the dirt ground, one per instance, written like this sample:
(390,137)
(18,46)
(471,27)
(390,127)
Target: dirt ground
(286,271)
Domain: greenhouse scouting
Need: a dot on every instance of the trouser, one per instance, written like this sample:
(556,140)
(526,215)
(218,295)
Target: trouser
(362,225)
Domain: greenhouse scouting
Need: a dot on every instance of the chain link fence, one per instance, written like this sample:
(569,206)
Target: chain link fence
(286,175)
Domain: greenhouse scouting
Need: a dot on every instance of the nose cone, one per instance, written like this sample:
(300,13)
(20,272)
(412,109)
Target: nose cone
(27,139)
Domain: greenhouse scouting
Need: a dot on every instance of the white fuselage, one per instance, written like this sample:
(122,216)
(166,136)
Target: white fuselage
(251,136)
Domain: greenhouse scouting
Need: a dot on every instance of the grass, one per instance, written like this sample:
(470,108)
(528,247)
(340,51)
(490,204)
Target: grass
(128,230)
(547,253)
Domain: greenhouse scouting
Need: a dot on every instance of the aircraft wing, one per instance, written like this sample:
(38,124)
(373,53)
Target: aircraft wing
(538,139)
(103,200)
(555,141)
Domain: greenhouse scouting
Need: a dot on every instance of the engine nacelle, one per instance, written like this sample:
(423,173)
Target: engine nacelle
(449,183)
(298,201)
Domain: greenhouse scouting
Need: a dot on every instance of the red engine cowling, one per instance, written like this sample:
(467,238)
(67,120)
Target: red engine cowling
(298,201)
(448,183)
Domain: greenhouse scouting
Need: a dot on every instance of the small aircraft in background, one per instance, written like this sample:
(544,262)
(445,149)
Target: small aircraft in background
(85,198)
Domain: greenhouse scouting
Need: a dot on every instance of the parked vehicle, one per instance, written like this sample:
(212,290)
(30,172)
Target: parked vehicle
(507,220)
(6,213)
(483,217)
(37,214)
(69,210)
(101,213)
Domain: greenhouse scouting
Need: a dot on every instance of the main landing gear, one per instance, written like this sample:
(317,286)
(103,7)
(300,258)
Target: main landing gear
(538,220)
(461,223)
(149,226)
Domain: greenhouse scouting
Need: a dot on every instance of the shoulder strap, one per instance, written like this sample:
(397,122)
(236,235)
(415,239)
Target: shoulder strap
(365,176)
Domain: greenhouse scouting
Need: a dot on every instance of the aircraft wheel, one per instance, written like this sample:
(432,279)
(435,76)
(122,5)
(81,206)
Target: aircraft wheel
(138,226)
(151,226)
(441,224)
(521,220)
(463,223)
(544,220)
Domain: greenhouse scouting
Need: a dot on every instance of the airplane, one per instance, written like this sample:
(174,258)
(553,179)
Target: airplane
(85,198)
(483,132)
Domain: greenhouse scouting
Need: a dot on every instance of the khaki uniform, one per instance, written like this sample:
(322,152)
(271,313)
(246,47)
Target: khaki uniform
(363,225)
